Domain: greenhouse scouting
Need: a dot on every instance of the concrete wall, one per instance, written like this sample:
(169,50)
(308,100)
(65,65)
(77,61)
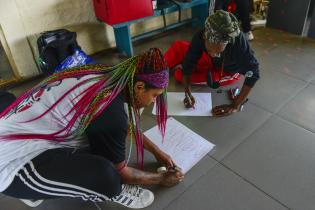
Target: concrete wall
(22,20)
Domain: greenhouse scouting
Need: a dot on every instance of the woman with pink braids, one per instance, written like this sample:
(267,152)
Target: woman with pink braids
(45,132)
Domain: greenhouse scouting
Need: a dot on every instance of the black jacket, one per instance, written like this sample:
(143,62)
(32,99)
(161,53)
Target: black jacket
(238,57)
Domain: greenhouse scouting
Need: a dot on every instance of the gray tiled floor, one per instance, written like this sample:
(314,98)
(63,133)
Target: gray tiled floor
(275,89)
(301,109)
(220,189)
(279,159)
(290,63)
(265,154)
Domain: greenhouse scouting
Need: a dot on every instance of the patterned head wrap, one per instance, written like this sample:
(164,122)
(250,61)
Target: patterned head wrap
(158,80)
(221,27)
(104,87)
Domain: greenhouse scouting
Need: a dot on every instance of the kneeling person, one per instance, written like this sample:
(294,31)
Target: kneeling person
(217,55)
(43,134)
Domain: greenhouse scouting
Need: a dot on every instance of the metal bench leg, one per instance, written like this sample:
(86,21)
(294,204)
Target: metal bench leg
(123,40)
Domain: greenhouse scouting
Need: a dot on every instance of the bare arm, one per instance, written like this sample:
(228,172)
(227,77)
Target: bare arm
(189,100)
(227,109)
(131,175)
(186,82)
(241,97)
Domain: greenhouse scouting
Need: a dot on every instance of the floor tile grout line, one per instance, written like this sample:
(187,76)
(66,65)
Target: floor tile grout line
(280,107)
(98,207)
(244,140)
(216,163)
(294,123)
(259,106)
(188,187)
(291,98)
(250,134)
(252,184)
(294,76)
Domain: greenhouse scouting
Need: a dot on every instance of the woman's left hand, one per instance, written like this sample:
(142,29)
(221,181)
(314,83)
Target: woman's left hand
(164,159)
(223,110)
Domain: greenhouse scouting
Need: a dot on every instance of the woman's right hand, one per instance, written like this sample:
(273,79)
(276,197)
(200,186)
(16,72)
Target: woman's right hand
(189,100)
(172,178)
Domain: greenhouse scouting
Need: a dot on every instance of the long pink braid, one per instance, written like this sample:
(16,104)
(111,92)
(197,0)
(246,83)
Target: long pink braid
(152,62)
(107,84)
(85,108)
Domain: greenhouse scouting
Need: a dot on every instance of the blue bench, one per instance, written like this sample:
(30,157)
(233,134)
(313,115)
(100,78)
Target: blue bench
(122,30)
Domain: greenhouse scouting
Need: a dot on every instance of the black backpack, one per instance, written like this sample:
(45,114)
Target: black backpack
(54,47)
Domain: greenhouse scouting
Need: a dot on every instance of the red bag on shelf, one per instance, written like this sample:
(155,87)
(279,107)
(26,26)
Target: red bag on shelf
(118,11)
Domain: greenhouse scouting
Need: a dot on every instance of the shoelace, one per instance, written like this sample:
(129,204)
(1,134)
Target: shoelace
(132,190)
(127,191)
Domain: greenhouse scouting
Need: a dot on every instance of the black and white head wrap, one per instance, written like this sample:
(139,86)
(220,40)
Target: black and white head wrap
(221,27)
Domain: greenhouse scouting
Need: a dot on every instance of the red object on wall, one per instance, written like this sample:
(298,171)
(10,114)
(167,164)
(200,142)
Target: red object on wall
(118,11)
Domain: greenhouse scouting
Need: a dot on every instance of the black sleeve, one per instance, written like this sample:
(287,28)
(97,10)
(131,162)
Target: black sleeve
(246,60)
(194,53)
(107,132)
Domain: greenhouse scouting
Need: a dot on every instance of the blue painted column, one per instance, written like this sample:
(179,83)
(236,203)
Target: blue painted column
(199,14)
(123,40)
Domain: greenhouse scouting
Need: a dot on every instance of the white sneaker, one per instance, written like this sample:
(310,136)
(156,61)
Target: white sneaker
(32,203)
(249,36)
(135,197)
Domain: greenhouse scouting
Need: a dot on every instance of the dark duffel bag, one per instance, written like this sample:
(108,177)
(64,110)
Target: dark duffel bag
(54,47)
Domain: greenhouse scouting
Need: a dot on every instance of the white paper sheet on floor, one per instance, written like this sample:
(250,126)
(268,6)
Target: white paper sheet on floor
(184,146)
(203,105)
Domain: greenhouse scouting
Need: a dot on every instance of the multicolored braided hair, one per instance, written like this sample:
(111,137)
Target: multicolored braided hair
(107,82)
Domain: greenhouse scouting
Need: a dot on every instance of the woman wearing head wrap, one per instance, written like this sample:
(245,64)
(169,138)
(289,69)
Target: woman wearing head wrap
(217,55)
(43,132)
